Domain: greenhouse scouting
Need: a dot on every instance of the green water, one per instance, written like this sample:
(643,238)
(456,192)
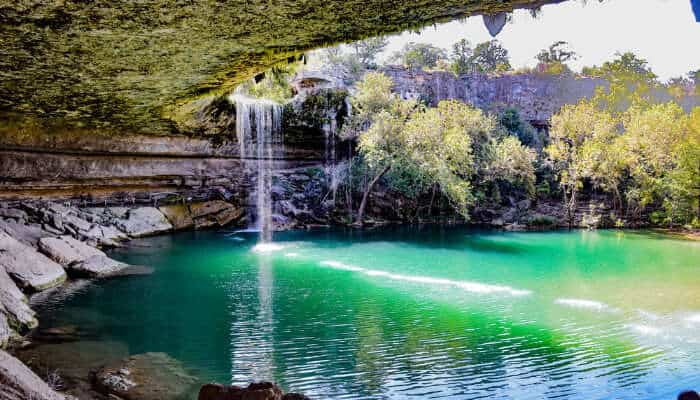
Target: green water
(412,312)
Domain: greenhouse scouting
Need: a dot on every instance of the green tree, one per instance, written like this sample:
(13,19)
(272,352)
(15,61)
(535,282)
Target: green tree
(435,147)
(631,80)
(419,55)
(490,56)
(580,139)
(511,121)
(553,59)
(366,51)
(513,164)
(558,52)
(653,137)
(461,57)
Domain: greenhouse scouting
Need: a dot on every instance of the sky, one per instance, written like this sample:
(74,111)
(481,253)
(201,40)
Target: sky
(664,32)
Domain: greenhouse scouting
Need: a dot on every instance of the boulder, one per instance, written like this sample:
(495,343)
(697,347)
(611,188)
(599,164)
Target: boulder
(148,376)
(179,216)
(78,224)
(97,266)
(254,391)
(144,221)
(13,304)
(29,268)
(202,215)
(27,234)
(105,235)
(17,382)
(66,250)
(6,332)
(13,213)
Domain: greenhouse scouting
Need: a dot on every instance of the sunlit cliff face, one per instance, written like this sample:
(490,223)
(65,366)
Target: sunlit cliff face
(137,66)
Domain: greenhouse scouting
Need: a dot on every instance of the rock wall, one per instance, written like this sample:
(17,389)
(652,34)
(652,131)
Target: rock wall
(536,95)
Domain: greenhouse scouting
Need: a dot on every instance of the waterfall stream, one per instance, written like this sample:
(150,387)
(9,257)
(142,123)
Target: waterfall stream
(259,132)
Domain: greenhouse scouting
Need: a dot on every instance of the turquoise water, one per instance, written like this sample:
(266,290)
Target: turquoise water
(412,312)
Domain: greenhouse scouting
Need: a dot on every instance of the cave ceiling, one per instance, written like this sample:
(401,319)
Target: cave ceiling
(139,66)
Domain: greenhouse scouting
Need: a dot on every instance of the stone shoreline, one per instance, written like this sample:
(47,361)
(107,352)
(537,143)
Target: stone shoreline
(45,244)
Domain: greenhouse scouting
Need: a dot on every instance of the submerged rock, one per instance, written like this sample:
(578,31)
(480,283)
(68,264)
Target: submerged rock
(254,391)
(148,376)
(17,382)
(144,221)
(79,258)
(99,266)
(29,268)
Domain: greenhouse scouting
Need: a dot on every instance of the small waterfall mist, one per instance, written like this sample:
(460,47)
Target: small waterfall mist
(259,132)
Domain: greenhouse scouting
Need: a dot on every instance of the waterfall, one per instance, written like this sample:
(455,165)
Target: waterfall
(259,133)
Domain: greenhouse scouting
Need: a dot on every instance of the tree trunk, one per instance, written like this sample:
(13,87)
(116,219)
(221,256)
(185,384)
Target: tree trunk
(361,211)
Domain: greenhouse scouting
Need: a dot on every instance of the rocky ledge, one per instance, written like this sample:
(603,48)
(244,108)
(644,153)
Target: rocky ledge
(45,244)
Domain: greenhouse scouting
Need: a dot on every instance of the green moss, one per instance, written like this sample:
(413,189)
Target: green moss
(140,67)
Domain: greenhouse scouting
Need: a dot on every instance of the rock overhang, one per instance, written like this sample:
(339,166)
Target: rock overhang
(142,67)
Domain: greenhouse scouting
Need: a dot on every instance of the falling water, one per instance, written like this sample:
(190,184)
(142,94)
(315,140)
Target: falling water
(259,132)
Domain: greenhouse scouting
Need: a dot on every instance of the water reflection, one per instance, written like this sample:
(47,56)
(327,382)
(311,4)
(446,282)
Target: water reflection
(252,346)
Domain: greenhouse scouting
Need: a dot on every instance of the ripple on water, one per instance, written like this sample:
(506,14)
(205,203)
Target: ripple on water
(473,287)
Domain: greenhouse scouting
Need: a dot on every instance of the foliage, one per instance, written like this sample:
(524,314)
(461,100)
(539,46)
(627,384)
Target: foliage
(366,51)
(558,52)
(582,146)
(631,81)
(462,57)
(514,163)
(443,146)
(274,85)
(511,121)
(489,57)
(553,59)
(419,55)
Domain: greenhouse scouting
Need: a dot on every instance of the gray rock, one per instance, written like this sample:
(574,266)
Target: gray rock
(66,250)
(495,22)
(97,266)
(29,268)
(118,212)
(27,234)
(144,221)
(105,235)
(144,377)
(13,213)
(6,333)
(76,223)
(17,382)
(14,304)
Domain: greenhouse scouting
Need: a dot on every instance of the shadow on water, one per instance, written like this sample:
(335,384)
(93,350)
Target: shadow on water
(425,236)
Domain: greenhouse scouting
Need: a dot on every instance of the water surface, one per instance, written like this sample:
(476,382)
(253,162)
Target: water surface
(412,312)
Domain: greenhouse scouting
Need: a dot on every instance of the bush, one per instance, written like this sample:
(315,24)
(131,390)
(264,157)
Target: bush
(540,220)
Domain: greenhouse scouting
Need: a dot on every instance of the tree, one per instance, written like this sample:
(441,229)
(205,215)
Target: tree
(490,57)
(513,163)
(366,51)
(558,52)
(630,78)
(435,146)
(461,57)
(580,137)
(419,55)
(553,59)
(510,120)
(654,135)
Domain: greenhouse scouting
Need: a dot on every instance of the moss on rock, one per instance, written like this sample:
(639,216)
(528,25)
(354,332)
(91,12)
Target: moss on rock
(141,67)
